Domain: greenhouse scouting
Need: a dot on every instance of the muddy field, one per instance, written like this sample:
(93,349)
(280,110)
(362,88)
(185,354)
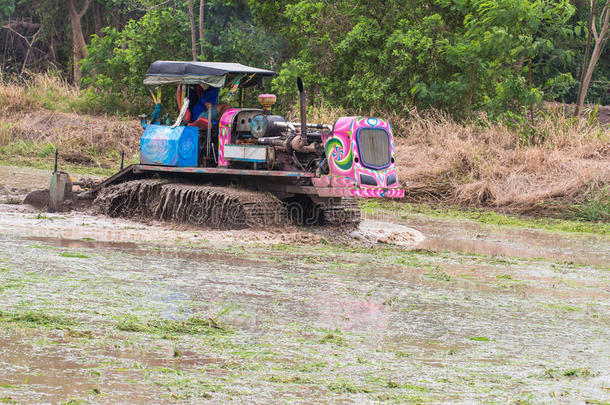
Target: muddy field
(413,309)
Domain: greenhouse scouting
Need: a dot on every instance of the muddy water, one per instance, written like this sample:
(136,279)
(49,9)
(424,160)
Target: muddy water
(470,237)
(305,317)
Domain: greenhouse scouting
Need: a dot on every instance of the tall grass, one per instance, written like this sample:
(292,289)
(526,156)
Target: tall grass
(50,91)
(46,90)
(45,112)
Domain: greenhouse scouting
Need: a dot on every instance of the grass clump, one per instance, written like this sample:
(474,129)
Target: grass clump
(570,373)
(579,372)
(192,326)
(344,386)
(479,338)
(333,338)
(37,318)
(596,207)
(295,379)
(74,255)
(437,274)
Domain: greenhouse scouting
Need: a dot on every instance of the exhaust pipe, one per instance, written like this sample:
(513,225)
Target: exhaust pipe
(303,105)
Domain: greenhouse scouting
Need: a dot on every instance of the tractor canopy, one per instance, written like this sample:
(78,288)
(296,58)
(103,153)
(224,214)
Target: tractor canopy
(215,74)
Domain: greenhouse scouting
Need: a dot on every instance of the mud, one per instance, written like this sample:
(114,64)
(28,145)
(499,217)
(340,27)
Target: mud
(310,322)
(23,179)
(215,207)
(384,232)
(95,309)
(467,236)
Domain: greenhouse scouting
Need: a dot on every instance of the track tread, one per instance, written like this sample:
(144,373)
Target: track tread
(200,205)
(345,212)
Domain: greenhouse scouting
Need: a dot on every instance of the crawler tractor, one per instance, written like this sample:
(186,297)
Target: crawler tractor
(248,167)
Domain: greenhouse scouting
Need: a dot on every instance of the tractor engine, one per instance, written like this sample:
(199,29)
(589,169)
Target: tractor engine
(257,139)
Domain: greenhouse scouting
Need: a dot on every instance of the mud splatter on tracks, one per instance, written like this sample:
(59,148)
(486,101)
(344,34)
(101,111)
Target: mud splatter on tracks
(216,207)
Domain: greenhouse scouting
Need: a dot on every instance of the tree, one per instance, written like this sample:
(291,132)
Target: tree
(29,40)
(600,37)
(201,19)
(193,37)
(79,47)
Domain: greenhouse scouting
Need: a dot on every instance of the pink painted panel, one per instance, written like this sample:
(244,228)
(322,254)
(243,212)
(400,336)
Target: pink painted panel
(224,134)
(344,161)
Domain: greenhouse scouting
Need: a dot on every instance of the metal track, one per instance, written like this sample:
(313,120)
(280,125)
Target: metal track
(200,205)
(341,212)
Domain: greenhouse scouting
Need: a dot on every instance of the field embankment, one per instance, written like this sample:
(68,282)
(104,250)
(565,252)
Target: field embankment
(558,165)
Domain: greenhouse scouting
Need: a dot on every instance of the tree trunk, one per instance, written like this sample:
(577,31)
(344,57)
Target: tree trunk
(193,37)
(98,20)
(600,42)
(585,61)
(78,40)
(201,14)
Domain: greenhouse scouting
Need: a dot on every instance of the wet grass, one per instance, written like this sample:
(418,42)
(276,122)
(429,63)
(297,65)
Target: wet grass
(345,386)
(437,274)
(570,372)
(282,340)
(74,255)
(564,307)
(334,338)
(479,339)
(37,319)
(407,210)
(191,326)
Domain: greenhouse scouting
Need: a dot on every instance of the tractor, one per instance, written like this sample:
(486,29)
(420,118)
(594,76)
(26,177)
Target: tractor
(242,167)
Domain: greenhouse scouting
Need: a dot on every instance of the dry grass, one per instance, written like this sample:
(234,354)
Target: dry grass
(40,114)
(81,138)
(495,166)
(557,163)
(38,91)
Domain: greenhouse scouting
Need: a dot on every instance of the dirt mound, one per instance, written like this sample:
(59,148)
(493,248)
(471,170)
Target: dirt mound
(101,132)
(216,207)
(81,139)
(388,233)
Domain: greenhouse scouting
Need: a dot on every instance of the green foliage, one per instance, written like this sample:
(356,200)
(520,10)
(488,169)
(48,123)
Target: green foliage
(7,7)
(596,208)
(398,54)
(502,57)
(117,61)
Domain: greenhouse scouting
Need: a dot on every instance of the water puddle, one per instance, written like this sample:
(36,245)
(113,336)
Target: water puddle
(59,370)
(83,243)
(525,243)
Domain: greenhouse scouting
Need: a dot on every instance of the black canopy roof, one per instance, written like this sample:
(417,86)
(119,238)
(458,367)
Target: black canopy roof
(216,74)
